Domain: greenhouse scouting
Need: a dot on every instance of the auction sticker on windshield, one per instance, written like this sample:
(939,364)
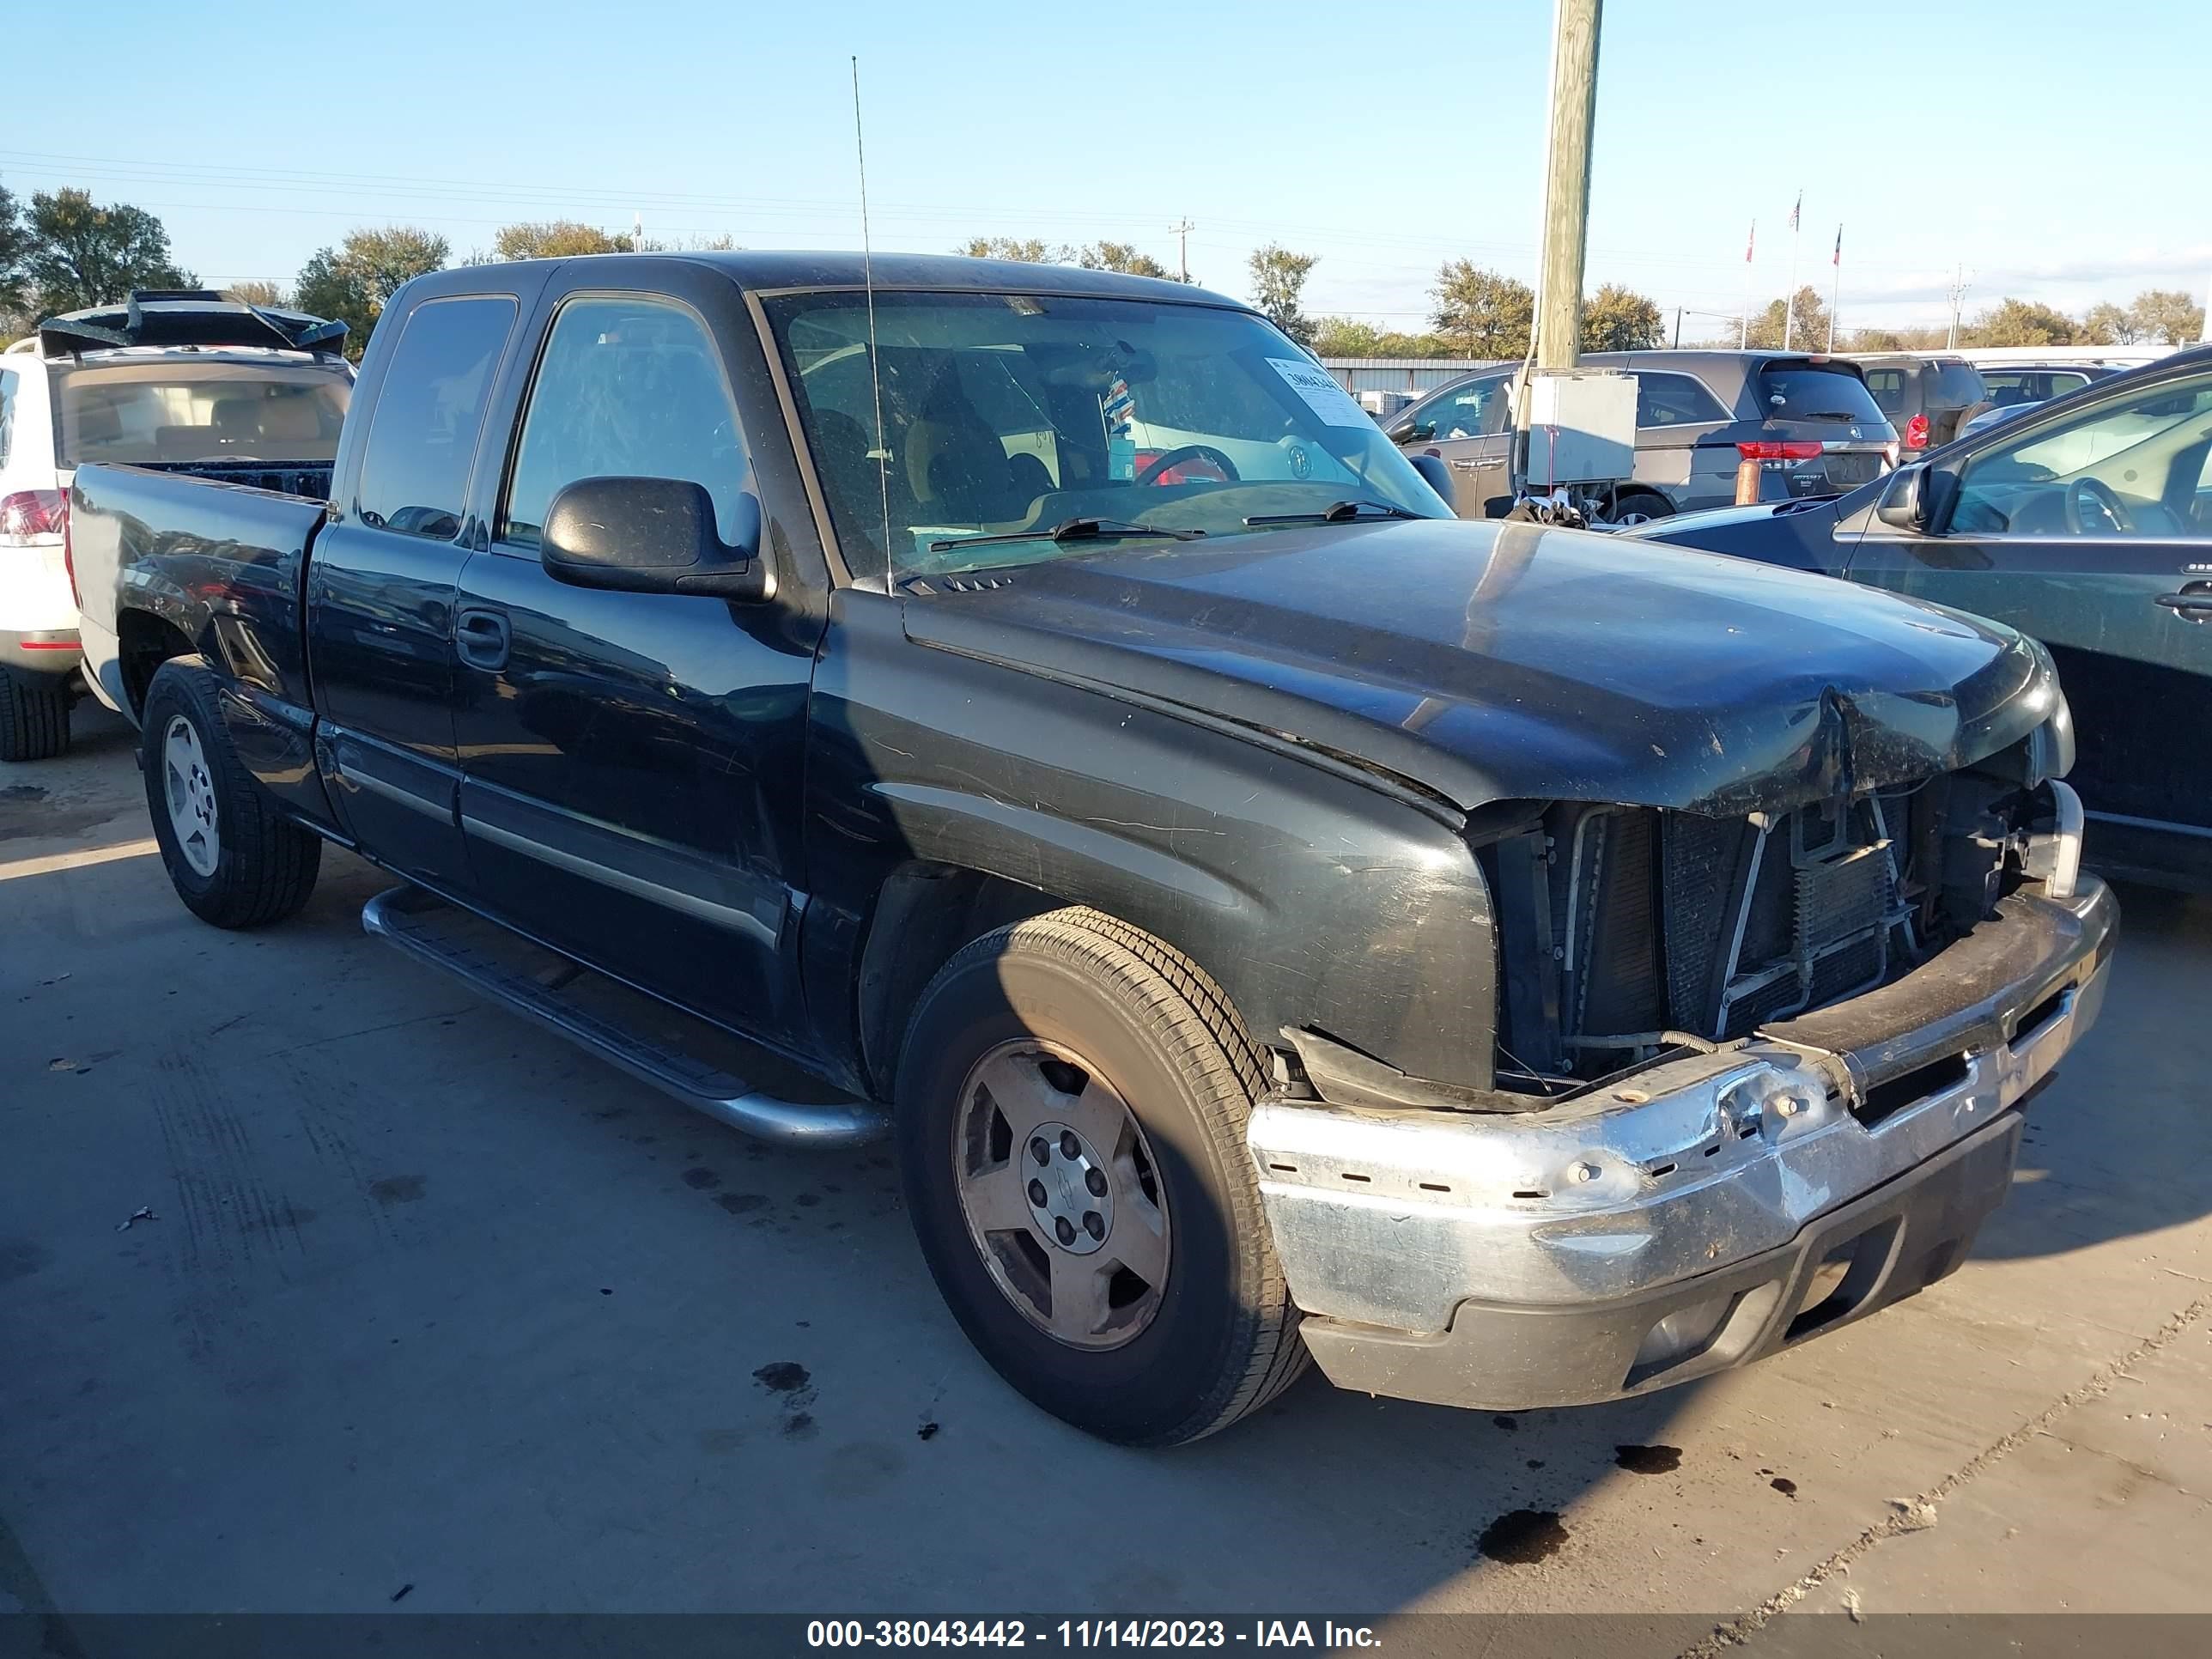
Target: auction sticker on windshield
(1323,394)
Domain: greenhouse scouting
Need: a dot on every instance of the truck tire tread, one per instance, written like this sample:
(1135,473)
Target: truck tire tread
(34,720)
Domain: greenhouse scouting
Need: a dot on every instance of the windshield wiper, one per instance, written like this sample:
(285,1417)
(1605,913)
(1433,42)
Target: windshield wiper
(1069,530)
(1828,414)
(1337,512)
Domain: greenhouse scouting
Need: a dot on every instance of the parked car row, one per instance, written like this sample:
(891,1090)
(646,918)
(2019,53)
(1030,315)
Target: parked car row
(1817,424)
(2086,522)
(1038,714)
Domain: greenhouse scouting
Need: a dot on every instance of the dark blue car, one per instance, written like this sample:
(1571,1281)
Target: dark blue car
(2087,524)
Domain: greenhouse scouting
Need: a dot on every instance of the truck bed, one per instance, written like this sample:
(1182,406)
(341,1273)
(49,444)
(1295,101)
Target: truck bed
(188,544)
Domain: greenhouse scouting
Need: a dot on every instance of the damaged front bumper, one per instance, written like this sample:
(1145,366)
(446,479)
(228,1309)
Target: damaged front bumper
(1698,1215)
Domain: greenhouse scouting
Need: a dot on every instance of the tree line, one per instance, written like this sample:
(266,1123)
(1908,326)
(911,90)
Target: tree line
(62,251)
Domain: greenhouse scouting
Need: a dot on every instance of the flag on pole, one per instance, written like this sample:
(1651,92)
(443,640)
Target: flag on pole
(1839,259)
(1793,208)
(1749,240)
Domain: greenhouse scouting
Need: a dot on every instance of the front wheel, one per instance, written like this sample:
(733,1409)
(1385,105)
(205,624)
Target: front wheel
(1072,1103)
(234,859)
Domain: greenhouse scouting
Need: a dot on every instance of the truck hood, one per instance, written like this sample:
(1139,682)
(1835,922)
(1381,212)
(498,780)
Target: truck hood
(1482,661)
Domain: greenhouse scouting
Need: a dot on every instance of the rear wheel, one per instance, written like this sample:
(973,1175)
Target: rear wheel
(1641,506)
(34,716)
(1071,1102)
(234,859)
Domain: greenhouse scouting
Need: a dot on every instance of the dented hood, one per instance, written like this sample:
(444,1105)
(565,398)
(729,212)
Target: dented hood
(1488,661)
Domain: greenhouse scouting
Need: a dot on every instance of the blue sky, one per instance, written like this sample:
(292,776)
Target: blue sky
(2063,144)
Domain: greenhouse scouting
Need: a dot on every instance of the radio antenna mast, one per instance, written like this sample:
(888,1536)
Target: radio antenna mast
(881,454)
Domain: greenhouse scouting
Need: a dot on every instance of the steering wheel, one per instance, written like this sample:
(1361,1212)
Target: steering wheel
(2092,509)
(1174,458)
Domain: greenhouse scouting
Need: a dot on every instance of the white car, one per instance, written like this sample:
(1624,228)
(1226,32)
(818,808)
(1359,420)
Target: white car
(185,381)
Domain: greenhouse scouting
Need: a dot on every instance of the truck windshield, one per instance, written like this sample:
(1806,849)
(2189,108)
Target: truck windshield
(1001,413)
(163,412)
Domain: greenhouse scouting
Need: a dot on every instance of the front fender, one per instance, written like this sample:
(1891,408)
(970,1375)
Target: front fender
(1315,896)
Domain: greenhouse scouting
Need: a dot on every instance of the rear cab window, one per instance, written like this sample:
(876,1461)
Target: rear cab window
(423,444)
(1827,393)
(161,410)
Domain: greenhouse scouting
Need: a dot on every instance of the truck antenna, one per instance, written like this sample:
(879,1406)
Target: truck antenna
(881,454)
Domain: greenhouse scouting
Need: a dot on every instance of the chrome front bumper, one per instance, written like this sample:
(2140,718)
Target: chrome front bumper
(1681,1220)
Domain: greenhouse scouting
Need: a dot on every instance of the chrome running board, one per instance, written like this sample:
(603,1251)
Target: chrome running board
(445,936)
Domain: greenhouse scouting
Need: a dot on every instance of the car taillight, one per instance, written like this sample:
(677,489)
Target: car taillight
(1771,449)
(1916,433)
(32,518)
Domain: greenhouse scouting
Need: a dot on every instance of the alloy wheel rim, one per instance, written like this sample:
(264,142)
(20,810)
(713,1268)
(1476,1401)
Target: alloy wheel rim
(190,791)
(1062,1198)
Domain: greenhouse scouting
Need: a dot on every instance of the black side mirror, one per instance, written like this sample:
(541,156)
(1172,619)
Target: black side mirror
(1904,505)
(1399,432)
(1434,473)
(652,536)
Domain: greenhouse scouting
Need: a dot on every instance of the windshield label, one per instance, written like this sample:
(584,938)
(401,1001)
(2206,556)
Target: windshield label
(1321,391)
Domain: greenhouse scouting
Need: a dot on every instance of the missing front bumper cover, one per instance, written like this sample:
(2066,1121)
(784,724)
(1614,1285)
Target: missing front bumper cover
(1399,1226)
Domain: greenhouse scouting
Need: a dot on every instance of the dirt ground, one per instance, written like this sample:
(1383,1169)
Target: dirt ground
(427,1299)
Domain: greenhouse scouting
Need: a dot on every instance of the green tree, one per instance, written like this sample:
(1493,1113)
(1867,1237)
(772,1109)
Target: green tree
(2013,322)
(354,281)
(1877,339)
(1480,314)
(83,254)
(1617,318)
(1807,324)
(2167,316)
(1346,337)
(555,239)
(1278,278)
(2106,323)
(255,294)
(15,254)
(1121,257)
(1024,250)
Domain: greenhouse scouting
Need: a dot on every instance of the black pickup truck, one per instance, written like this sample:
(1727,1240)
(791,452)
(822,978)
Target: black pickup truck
(1035,714)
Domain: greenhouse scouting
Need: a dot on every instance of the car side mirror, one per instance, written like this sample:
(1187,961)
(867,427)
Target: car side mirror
(1434,473)
(1399,432)
(652,536)
(1904,505)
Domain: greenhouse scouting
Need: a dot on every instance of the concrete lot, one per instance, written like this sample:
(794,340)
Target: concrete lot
(431,1301)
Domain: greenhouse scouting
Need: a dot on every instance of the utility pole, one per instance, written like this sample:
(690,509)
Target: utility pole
(1181,231)
(1677,328)
(1958,297)
(1566,182)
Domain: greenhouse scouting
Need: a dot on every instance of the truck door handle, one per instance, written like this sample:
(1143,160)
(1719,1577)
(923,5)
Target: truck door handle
(481,637)
(2193,604)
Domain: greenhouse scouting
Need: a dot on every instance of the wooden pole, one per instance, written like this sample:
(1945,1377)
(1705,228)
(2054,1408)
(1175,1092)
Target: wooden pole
(1566,183)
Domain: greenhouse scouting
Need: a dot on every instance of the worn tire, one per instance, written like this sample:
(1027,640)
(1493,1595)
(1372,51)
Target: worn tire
(266,865)
(1224,1340)
(34,716)
(1651,504)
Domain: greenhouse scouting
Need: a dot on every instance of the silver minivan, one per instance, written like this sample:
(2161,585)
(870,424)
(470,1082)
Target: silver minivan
(1807,420)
